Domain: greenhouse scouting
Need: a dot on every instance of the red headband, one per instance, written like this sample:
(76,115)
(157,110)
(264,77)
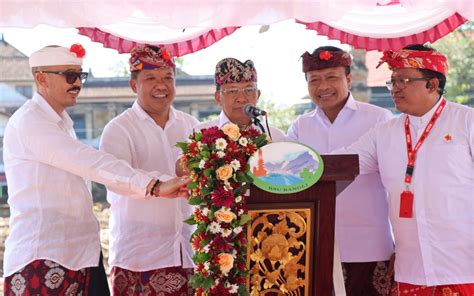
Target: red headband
(416,59)
(325,59)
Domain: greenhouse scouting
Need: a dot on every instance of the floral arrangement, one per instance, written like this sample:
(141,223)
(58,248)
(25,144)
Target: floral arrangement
(218,163)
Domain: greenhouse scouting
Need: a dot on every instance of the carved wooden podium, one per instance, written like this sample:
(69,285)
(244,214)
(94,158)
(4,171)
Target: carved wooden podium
(291,236)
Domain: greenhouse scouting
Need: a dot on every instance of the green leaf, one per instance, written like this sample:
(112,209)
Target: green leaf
(205,154)
(244,219)
(196,201)
(183,146)
(193,185)
(198,136)
(260,141)
(190,220)
(194,164)
(205,191)
(243,291)
(201,257)
(208,172)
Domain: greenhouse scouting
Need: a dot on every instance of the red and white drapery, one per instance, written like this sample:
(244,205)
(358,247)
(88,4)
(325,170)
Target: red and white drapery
(188,26)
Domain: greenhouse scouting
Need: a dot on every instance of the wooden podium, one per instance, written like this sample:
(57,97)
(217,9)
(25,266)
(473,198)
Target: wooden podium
(291,236)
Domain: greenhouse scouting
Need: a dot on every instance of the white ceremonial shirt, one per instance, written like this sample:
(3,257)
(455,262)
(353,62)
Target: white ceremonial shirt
(436,246)
(148,234)
(277,135)
(50,205)
(362,228)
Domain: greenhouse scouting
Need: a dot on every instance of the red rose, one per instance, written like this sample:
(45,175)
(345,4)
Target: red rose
(325,55)
(78,50)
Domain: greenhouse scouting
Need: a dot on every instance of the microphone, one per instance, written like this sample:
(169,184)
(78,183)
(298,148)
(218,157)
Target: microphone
(252,111)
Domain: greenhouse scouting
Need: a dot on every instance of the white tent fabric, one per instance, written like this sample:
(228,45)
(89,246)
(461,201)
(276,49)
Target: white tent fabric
(120,24)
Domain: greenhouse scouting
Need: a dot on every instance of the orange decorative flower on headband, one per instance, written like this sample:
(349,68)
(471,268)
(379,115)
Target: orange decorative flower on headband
(415,59)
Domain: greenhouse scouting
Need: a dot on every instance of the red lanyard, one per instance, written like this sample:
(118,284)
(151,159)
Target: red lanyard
(412,152)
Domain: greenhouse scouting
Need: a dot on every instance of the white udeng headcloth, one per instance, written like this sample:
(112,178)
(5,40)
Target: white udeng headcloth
(54,55)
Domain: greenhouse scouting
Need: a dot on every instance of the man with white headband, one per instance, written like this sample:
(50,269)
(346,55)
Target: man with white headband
(53,247)
(425,158)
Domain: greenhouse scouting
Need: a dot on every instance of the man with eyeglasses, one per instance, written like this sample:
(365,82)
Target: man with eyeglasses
(362,228)
(236,86)
(426,161)
(53,247)
(145,136)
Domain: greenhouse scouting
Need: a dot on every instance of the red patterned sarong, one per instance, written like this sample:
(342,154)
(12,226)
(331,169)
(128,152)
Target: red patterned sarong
(404,289)
(170,281)
(44,277)
(367,278)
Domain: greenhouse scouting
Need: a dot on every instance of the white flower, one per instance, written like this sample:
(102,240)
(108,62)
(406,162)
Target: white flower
(189,141)
(243,141)
(235,164)
(206,248)
(205,211)
(227,185)
(234,288)
(238,229)
(18,284)
(226,232)
(54,278)
(241,212)
(202,163)
(72,290)
(214,227)
(199,144)
(221,144)
(220,154)
(238,198)
(207,265)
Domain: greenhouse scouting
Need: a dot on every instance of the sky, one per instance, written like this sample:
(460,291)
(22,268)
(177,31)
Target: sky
(275,53)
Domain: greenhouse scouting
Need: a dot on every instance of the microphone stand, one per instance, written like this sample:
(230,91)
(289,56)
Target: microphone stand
(257,122)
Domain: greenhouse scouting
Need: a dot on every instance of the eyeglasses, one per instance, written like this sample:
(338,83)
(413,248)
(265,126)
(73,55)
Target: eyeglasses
(234,92)
(401,83)
(70,76)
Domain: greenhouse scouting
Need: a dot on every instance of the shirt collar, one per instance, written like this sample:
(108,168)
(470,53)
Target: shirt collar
(144,116)
(49,111)
(349,105)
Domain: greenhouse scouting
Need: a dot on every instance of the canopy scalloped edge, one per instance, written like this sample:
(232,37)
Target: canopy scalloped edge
(178,49)
(368,43)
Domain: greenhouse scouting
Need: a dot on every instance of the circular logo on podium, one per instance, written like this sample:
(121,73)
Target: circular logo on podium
(285,167)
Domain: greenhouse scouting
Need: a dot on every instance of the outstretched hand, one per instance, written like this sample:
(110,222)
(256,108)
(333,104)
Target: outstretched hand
(176,187)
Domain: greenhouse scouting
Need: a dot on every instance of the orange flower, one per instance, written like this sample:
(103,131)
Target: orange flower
(225,216)
(224,172)
(232,131)
(226,262)
(325,55)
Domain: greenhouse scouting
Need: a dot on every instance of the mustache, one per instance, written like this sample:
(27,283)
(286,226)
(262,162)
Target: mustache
(78,88)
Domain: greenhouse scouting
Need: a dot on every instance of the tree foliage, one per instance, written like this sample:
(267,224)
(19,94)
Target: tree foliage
(278,116)
(458,46)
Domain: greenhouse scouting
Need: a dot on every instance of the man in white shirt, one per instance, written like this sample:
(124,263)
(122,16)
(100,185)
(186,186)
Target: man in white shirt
(362,228)
(53,247)
(236,86)
(426,162)
(150,251)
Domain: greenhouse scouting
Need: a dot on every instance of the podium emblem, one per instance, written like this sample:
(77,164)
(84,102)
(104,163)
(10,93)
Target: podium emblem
(285,167)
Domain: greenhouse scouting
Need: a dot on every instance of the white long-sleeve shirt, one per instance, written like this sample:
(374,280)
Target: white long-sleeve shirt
(148,234)
(50,204)
(277,135)
(436,246)
(362,228)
